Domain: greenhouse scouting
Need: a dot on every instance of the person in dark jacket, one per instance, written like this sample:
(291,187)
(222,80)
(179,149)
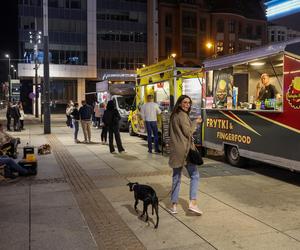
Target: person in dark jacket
(15,114)
(8,116)
(75,121)
(111,120)
(85,114)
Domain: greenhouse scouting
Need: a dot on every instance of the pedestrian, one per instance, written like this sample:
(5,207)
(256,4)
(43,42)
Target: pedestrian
(22,116)
(75,121)
(69,109)
(111,120)
(97,115)
(15,114)
(149,112)
(181,141)
(8,116)
(104,128)
(85,115)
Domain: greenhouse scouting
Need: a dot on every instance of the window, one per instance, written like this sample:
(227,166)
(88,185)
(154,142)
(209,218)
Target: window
(220,25)
(189,46)
(231,47)
(168,22)
(258,31)
(168,45)
(272,36)
(202,24)
(240,86)
(189,21)
(220,47)
(249,30)
(231,26)
(53,3)
(73,4)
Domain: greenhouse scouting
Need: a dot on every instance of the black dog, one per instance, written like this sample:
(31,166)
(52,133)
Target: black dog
(148,196)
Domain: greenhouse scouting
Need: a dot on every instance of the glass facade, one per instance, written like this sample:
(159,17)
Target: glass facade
(67,30)
(121,34)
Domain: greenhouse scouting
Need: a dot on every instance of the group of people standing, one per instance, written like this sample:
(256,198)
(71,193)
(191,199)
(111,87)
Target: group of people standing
(16,113)
(110,122)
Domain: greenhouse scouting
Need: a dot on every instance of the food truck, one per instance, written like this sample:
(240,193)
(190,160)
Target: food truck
(166,81)
(252,105)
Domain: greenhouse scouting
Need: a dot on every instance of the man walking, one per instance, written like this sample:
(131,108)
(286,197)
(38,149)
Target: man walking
(85,114)
(149,112)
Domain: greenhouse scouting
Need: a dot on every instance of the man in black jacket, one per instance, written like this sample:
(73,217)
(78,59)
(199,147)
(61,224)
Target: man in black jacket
(85,115)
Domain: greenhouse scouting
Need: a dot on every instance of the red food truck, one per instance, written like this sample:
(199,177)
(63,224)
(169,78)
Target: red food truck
(252,105)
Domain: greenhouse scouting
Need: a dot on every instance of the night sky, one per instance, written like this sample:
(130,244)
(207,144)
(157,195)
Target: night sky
(9,34)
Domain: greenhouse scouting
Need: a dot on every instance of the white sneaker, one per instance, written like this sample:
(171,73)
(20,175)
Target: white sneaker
(195,209)
(173,209)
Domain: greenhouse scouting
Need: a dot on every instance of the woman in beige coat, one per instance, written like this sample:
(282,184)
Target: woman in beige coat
(181,132)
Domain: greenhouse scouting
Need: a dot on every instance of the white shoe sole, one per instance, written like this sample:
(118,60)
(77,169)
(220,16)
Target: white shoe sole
(196,211)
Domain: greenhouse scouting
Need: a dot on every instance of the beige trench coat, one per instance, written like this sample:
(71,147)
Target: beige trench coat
(181,131)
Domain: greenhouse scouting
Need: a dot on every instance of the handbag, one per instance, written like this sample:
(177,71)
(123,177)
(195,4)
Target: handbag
(194,156)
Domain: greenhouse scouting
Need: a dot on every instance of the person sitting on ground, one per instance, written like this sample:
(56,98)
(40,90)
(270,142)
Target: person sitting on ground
(11,166)
(8,144)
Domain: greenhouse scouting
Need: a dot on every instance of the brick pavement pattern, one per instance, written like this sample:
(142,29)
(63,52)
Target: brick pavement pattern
(107,227)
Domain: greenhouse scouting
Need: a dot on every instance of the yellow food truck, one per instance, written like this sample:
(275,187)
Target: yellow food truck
(166,81)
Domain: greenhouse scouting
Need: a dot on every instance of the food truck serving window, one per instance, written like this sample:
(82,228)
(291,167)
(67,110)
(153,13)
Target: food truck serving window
(255,85)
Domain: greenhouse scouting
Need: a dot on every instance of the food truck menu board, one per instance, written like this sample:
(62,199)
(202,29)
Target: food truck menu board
(193,88)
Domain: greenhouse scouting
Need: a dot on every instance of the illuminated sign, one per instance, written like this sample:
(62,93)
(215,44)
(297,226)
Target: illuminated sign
(281,8)
(293,94)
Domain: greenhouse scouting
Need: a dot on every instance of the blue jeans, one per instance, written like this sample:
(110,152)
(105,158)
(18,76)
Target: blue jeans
(76,128)
(12,166)
(152,127)
(194,182)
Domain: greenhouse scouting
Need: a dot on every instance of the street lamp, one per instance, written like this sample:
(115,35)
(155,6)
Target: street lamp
(9,83)
(211,50)
(35,37)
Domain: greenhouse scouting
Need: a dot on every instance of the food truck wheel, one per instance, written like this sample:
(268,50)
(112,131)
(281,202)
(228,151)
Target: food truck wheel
(233,156)
(130,129)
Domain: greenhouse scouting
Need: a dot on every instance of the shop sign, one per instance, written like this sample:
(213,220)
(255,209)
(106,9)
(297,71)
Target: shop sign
(293,93)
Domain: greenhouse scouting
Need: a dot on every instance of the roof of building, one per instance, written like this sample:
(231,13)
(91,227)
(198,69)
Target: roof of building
(249,8)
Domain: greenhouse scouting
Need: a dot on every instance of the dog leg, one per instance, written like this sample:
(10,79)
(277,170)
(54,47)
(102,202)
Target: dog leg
(155,206)
(135,205)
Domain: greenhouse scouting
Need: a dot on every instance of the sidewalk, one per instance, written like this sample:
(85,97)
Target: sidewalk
(79,200)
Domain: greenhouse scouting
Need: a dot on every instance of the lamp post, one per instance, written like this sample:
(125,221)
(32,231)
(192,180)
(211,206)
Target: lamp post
(35,37)
(9,83)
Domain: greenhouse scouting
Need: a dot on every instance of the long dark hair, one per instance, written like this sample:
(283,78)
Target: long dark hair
(177,107)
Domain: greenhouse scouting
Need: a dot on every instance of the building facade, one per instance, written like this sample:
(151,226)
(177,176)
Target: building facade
(278,33)
(187,26)
(89,41)
(72,49)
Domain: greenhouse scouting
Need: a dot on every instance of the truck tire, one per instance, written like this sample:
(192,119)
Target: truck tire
(233,156)
(130,129)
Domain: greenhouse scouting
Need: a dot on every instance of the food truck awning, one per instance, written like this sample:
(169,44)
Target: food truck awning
(226,61)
